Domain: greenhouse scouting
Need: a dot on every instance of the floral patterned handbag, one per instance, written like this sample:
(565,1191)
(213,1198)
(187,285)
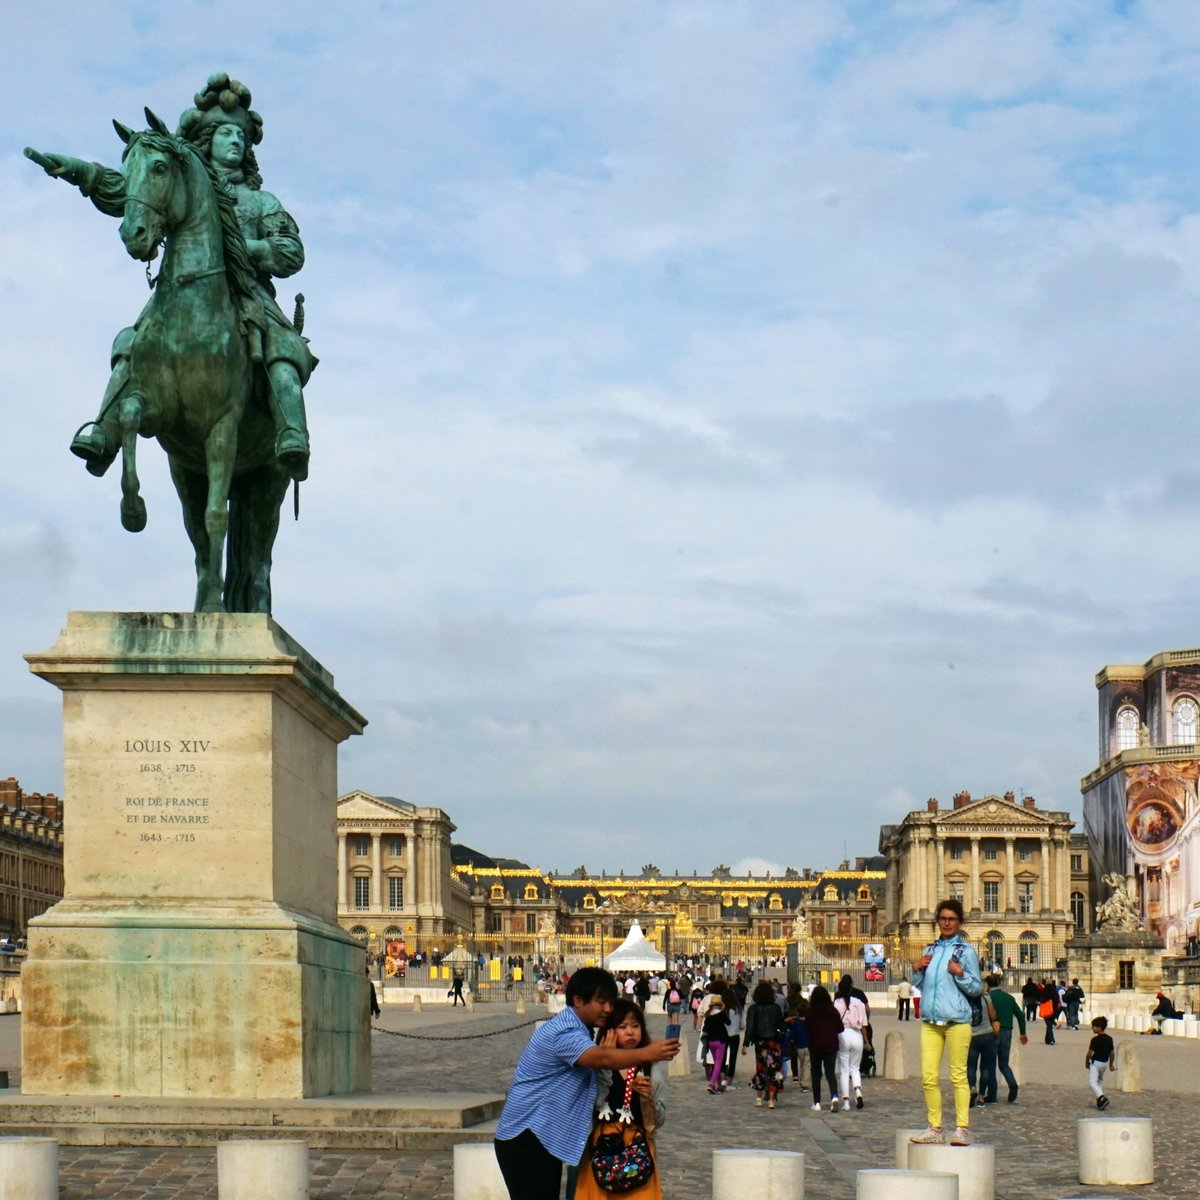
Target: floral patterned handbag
(621,1159)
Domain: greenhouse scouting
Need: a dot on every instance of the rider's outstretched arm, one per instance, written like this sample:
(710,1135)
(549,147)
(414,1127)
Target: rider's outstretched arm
(103,186)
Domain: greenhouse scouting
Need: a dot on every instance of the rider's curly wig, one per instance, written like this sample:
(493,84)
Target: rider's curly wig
(224,101)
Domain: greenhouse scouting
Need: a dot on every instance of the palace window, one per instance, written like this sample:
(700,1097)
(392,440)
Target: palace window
(362,893)
(993,943)
(1027,949)
(589,901)
(589,928)
(395,847)
(531,922)
(958,890)
(775,903)
(497,891)
(531,892)
(362,847)
(1025,852)
(956,851)
(1078,910)
(1025,897)
(1127,729)
(776,929)
(831,894)
(991,896)
(1125,975)
(864,923)
(395,891)
(991,853)
(1186,714)
(496,923)
(360,932)
(864,892)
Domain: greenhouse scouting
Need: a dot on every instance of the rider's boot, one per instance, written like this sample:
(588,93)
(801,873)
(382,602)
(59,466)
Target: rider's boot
(291,440)
(98,441)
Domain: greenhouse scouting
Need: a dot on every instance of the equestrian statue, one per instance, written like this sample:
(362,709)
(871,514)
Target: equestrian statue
(212,367)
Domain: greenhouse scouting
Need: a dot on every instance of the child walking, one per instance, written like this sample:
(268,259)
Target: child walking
(1101,1057)
(716,1033)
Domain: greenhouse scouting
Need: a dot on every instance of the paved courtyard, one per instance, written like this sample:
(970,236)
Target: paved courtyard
(1034,1138)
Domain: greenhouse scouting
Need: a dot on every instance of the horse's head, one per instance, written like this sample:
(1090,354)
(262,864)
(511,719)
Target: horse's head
(155,187)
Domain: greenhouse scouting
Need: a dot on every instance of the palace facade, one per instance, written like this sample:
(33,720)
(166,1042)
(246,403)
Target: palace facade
(31,855)
(1140,806)
(1021,873)
(395,881)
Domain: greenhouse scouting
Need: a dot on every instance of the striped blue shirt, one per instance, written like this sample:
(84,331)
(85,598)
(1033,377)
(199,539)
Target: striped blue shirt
(551,1095)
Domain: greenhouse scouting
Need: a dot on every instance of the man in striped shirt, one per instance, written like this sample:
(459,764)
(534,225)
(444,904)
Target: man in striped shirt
(548,1113)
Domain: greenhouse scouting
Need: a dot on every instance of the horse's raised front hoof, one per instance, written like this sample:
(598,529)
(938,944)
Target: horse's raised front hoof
(133,513)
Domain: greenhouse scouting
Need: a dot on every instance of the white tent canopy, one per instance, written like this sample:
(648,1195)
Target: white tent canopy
(635,954)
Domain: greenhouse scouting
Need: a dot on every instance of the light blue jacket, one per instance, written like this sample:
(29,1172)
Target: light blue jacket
(944,996)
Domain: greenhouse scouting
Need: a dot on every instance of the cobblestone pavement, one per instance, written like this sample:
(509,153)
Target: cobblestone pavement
(1034,1138)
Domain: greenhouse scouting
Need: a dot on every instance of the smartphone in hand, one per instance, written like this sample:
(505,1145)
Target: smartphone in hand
(672,1030)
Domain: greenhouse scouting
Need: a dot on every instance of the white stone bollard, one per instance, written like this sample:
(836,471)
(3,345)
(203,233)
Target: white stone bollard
(28,1168)
(477,1173)
(1014,1058)
(894,1066)
(1129,1068)
(880,1184)
(764,1174)
(520,1006)
(262,1169)
(416,1002)
(904,1139)
(1116,1150)
(974,1165)
(469,1001)
(1191,1028)
(681,1065)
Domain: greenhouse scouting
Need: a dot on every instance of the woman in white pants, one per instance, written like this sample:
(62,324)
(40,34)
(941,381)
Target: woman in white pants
(850,1042)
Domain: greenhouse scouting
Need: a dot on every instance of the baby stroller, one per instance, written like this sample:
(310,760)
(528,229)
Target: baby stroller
(868,1066)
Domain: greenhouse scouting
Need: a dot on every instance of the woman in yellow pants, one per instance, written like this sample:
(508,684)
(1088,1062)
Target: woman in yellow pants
(948,976)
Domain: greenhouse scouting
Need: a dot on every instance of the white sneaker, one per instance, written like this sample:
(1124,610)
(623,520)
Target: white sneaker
(961,1137)
(933,1136)
(816,1108)
(833,1104)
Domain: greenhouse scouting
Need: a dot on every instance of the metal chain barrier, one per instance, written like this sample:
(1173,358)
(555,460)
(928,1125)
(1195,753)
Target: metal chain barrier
(462,1037)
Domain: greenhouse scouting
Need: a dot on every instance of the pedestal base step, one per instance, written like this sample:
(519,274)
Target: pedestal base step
(362,1121)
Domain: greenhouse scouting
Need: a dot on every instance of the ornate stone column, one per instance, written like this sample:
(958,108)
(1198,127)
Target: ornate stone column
(940,875)
(1010,877)
(1047,880)
(342,902)
(975,900)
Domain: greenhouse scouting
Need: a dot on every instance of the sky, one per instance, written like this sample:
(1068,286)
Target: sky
(736,422)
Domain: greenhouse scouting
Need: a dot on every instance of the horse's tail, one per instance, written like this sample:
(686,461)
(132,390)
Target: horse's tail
(239,582)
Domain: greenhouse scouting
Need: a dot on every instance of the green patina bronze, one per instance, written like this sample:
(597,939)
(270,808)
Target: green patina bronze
(212,367)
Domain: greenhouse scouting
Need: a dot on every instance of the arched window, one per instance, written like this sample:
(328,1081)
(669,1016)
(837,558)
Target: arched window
(531,892)
(1027,949)
(497,891)
(360,932)
(775,902)
(1127,729)
(1187,717)
(830,893)
(864,891)
(993,947)
(589,901)
(1078,910)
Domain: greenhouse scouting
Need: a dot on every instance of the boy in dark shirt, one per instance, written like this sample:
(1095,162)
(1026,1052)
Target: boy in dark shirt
(1101,1056)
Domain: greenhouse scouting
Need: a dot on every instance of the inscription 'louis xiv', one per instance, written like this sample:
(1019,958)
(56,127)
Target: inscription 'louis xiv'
(164,746)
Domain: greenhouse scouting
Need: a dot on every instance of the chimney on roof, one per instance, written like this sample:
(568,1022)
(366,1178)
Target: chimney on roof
(1029,802)
(962,799)
(931,804)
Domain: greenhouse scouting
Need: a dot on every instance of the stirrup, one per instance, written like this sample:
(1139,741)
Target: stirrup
(294,457)
(97,460)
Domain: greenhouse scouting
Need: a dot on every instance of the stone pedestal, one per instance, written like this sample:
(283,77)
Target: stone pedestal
(1095,960)
(196,950)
